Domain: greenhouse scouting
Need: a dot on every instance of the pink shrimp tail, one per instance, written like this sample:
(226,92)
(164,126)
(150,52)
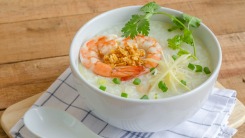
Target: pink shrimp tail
(128,72)
(120,71)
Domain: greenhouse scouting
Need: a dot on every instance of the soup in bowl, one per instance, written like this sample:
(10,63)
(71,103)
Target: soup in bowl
(143,83)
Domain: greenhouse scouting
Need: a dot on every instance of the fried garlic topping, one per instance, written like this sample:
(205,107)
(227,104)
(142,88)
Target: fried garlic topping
(127,56)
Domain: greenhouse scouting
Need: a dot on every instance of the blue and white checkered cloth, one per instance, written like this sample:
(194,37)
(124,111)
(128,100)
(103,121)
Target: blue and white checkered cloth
(209,122)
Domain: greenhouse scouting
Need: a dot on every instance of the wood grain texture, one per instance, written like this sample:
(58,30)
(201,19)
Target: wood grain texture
(232,73)
(24,79)
(240,133)
(221,16)
(15,112)
(2,132)
(232,43)
(19,11)
(39,39)
(35,37)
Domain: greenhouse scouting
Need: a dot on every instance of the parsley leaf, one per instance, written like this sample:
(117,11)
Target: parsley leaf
(143,26)
(192,21)
(178,22)
(175,42)
(173,28)
(187,37)
(182,52)
(150,7)
(131,29)
(140,24)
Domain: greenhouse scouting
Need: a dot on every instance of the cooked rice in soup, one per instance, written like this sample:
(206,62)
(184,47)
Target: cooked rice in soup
(143,67)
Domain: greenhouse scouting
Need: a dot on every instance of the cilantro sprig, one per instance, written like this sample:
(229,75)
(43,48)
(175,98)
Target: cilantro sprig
(139,24)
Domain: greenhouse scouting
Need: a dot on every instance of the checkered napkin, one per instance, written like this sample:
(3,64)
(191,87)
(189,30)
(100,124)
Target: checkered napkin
(209,122)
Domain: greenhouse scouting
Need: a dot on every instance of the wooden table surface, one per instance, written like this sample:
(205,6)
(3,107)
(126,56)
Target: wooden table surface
(35,37)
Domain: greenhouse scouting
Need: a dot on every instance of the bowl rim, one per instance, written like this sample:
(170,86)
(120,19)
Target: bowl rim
(75,70)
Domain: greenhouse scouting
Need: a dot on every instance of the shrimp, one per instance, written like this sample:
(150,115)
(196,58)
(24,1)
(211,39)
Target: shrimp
(152,48)
(93,51)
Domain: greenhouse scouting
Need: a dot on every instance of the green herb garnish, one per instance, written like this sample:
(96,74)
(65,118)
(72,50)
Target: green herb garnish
(175,42)
(103,88)
(140,24)
(182,52)
(206,70)
(183,82)
(144,97)
(191,66)
(174,57)
(198,68)
(116,80)
(152,70)
(155,96)
(125,95)
(162,86)
(136,81)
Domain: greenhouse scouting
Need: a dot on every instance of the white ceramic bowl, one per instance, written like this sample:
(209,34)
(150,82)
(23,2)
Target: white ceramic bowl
(135,114)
